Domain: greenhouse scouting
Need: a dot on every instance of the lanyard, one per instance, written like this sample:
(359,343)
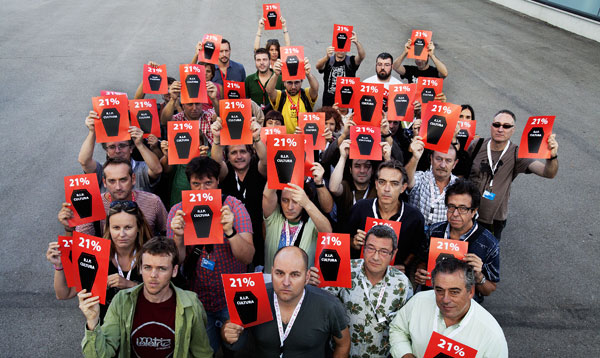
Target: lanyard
(283,335)
(237,182)
(377,216)
(462,323)
(293,106)
(494,167)
(379,299)
(130,267)
(433,199)
(287,233)
(447,232)
(354,195)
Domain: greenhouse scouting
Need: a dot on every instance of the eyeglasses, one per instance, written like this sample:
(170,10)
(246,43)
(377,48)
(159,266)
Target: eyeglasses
(127,206)
(120,146)
(461,209)
(382,252)
(505,126)
(294,83)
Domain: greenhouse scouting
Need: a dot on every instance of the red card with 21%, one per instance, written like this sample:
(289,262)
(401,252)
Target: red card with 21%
(236,117)
(267,131)
(247,300)
(534,140)
(428,88)
(184,141)
(193,84)
(112,93)
(285,160)
(439,123)
(90,263)
(211,47)
(345,89)
(395,225)
(154,80)
(368,104)
(444,248)
(65,246)
(341,38)
(144,115)
(400,102)
(272,16)
(309,155)
(234,90)
(419,40)
(292,63)
(442,346)
(202,217)
(364,142)
(113,124)
(83,193)
(313,124)
(466,133)
(333,259)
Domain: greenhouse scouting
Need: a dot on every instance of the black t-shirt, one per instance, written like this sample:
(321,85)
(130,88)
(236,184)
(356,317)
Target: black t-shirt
(112,291)
(413,72)
(153,328)
(331,73)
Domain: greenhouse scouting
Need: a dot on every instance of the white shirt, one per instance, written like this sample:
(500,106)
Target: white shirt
(391,81)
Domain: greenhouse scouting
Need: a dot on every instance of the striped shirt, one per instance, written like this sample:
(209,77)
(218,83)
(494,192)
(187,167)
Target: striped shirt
(433,207)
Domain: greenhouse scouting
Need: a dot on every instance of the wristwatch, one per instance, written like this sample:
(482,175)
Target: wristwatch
(482,281)
(233,232)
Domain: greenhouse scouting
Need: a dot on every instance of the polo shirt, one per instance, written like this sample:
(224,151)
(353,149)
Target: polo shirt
(255,92)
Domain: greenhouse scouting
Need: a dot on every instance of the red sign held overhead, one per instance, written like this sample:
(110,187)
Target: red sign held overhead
(90,263)
(83,193)
(440,249)
(234,90)
(365,142)
(236,117)
(313,124)
(285,160)
(113,124)
(112,93)
(368,104)
(65,246)
(342,35)
(267,131)
(247,300)
(401,100)
(202,217)
(154,80)
(466,133)
(211,47)
(428,88)
(442,346)
(144,115)
(345,90)
(395,225)
(419,41)
(333,259)
(184,141)
(292,63)
(272,16)
(439,122)
(193,84)
(534,140)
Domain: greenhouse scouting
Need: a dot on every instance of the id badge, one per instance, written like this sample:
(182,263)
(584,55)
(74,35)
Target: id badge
(381,320)
(208,264)
(488,195)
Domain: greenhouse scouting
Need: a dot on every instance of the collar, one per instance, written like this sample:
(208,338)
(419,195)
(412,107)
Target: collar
(362,274)
(463,237)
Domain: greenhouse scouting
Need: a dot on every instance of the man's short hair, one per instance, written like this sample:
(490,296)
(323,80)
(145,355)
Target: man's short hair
(384,56)
(506,111)
(451,146)
(463,186)
(161,246)
(304,255)
(202,167)
(224,41)
(393,164)
(130,142)
(261,51)
(383,232)
(451,265)
(116,161)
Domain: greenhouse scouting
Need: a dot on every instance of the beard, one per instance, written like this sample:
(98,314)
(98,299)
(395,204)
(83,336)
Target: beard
(382,75)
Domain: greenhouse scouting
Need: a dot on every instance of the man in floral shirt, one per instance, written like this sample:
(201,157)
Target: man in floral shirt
(378,292)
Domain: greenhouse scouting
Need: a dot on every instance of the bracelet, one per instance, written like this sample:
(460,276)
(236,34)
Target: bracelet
(57,268)
(319,185)
(233,233)
(386,135)
(554,157)
(285,32)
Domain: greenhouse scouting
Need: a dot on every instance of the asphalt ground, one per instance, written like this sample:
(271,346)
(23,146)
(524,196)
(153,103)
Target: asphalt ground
(56,55)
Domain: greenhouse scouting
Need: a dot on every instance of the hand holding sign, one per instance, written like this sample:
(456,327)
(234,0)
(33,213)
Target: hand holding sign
(202,217)
(144,114)
(272,16)
(65,246)
(154,80)
(332,259)
(442,346)
(211,47)
(440,249)
(364,142)
(438,126)
(419,43)
(236,116)
(193,84)
(83,193)
(400,102)
(292,60)
(247,300)
(345,88)
(395,225)
(341,38)
(90,260)
(113,121)
(234,90)
(184,141)
(285,160)
(368,104)
(428,88)
(534,140)
(313,124)
(466,133)
(266,131)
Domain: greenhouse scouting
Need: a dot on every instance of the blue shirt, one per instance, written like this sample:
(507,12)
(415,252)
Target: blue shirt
(235,72)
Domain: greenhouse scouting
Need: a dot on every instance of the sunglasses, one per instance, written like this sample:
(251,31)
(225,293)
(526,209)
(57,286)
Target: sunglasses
(505,126)
(123,205)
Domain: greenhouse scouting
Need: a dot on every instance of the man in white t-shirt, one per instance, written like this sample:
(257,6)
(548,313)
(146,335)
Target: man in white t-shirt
(383,69)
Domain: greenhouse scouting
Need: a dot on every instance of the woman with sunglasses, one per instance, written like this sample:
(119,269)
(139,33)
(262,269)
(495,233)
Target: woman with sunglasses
(128,230)
(273,44)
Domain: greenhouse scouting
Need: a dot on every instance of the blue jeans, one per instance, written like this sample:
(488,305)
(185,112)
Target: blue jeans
(213,328)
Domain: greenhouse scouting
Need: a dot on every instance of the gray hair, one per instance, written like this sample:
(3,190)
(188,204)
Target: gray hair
(451,265)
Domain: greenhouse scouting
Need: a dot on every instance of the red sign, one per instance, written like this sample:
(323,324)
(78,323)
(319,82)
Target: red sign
(285,160)
(112,93)
(113,124)
(400,102)
(144,115)
(309,155)
(534,140)
(419,41)
(83,193)
(266,131)
(466,133)
(292,63)
(154,80)
(442,346)
(395,225)
(236,115)
(211,47)
(272,16)
(184,141)
(341,38)
(65,244)
(345,88)
(428,88)
(364,142)
(193,84)
(247,300)
(234,90)
(368,104)
(444,248)
(202,217)
(333,259)
(439,123)
(313,124)
(90,264)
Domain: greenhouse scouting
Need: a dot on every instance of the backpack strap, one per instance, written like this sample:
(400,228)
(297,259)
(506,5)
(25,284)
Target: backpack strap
(305,100)
(282,100)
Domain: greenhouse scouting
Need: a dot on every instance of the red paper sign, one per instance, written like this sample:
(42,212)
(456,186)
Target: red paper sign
(419,41)
(154,80)
(368,104)
(400,102)
(193,84)
(236,115)
(113,124)
(442,346)
(90,264)
(112,93)
(292,63)
(309,155)
(247,300)
(333,259)
(341,38)
(83,193)
(534,140)
(441,248)
(266,131)
(345,88)
(428,88)
(65,244)
(211,47)
(202,217)
(395,225)
(144,115)
(272,16)
(234,90)
(285,160)
(313,124)
(466,133)
(184,141)
(439,123)
(364,142)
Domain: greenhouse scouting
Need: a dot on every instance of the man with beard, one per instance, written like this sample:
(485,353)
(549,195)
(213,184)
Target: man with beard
(256,83)
(422,68)
(226,68)
(383,70)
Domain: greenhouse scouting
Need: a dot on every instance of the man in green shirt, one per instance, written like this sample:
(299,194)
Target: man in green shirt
(256,83)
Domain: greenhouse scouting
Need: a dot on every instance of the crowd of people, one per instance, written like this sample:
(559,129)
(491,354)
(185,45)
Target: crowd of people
(167,299)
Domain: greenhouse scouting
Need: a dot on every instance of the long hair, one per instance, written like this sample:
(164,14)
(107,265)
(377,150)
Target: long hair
(143,230)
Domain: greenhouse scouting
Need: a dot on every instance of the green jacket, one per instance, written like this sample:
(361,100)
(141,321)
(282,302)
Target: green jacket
(190,327)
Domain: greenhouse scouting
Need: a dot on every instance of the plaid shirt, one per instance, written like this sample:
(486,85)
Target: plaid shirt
(205,121)
(420,197)
(206,283)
